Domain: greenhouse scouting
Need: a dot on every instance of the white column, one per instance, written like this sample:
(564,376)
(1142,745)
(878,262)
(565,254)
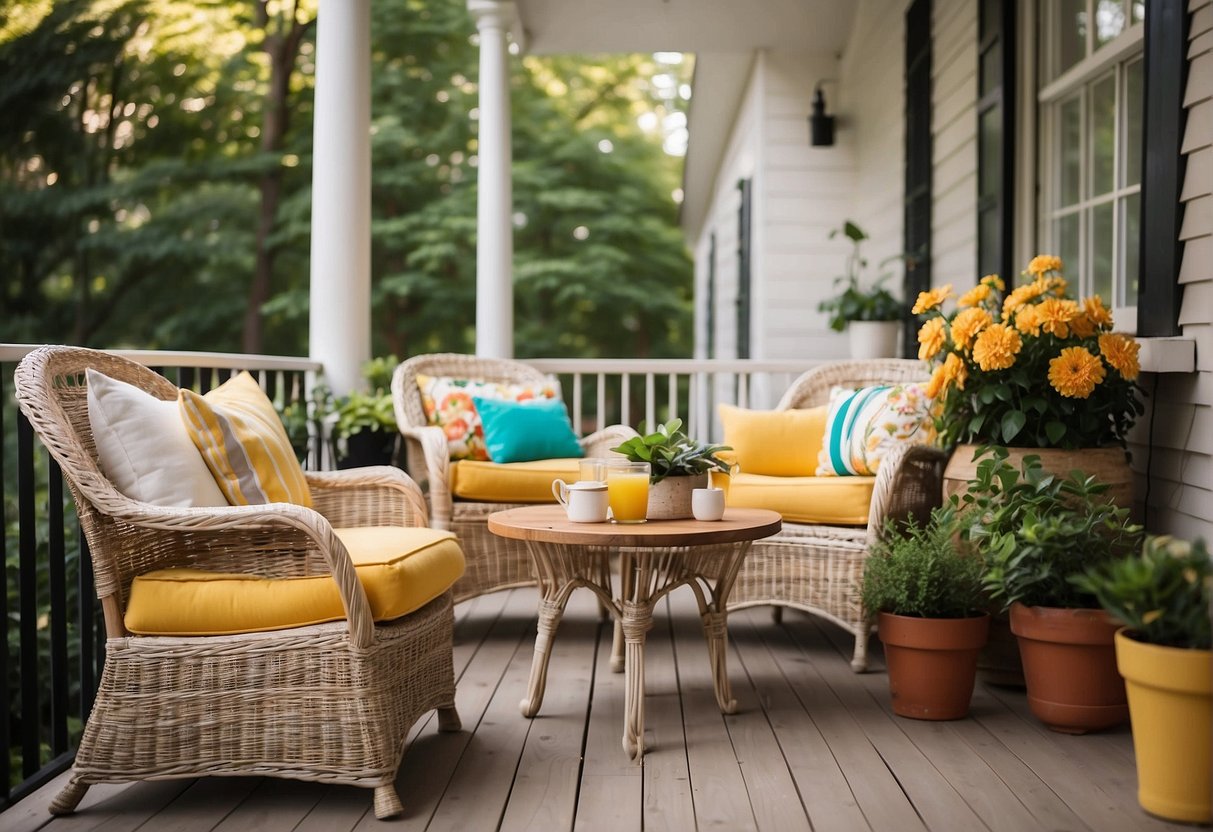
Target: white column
(494,214)
(339,333)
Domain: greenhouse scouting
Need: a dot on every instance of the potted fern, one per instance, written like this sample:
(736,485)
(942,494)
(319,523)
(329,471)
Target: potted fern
(930,605)
(678,466)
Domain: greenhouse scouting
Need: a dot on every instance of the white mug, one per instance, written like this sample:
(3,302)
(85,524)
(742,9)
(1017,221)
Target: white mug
(584,502)
(707,503)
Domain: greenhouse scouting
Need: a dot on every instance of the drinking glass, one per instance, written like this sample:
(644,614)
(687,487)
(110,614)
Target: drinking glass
(592,469)
(628,491)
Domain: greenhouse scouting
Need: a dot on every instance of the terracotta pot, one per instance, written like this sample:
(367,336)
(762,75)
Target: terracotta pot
(1171,705)
(1069,663)
(932,663)
(670,499)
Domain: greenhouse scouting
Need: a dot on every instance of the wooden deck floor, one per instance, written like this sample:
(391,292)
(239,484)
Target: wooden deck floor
(813,746)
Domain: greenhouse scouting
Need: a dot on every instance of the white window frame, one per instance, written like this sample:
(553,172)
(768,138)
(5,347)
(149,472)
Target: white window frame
(1124,49)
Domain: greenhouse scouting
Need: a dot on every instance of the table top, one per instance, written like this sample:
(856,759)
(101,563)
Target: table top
(548,524)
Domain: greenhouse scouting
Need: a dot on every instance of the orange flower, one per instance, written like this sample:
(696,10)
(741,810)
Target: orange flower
(1082,326)
(935,387)
(1021,295)
(994,282)
(932,337)
(1055,315)
(955,372)
(1027,320)
(1058,286)
(1121,353)
(996,347)
(1042,263)
(967,324)
(1097,312)
(1075,372)
(974,296)
(931,299)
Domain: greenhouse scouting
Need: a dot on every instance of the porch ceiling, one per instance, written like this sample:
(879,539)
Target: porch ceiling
(552,26)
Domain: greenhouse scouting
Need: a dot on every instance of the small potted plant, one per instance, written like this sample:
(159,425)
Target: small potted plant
(678,466)
(932,621)
(1162,597)
(1036,531)
(363,424)
(871,316)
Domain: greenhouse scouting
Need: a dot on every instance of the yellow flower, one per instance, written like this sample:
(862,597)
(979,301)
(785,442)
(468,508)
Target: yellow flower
(1021,295)
(1082,326)
(954,371)
(1058,286)
(1121,353)
(1055,315)
(967,324)
(974,296)
(931,336)
(996,347)
(1097,312)
(994,282)
(936,385)
(931,299)
(1075,372)
(1027,320)
(1043,263)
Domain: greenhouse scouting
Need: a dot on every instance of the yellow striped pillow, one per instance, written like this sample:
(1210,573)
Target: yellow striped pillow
(242,440)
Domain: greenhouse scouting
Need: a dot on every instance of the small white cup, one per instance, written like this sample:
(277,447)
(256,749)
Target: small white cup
(707,503)
(584,502)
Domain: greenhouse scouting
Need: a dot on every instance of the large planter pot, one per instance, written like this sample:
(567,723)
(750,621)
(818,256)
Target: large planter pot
(1171,705)
(368,447)
(670,499)
(932,663)
(873,339)
(1110,465)
(1069,664)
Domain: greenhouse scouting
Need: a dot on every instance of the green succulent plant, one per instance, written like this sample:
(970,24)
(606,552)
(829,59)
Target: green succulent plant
(670,452)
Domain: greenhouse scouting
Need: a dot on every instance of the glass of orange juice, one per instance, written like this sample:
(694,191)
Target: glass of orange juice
(628,490)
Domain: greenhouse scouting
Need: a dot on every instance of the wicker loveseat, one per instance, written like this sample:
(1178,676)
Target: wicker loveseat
(330,702)
(819,568)
(493,563)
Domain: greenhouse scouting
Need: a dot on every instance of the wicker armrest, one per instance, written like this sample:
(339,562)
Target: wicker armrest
(600,442)
(232,538)
(374,496)
(435,453)
(910,481)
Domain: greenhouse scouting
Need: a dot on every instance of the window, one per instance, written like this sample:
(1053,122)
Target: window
(995,120)
(1091,109)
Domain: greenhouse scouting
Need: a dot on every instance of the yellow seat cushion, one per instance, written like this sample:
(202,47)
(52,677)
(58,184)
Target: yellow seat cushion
(835,501)
(510,482)
(778,443)
(401,570)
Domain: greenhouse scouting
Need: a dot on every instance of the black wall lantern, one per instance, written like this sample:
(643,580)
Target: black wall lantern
(821,126)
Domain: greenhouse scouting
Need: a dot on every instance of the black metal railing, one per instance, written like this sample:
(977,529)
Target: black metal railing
(52,637)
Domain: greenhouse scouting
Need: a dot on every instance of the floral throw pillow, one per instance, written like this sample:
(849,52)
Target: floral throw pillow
(448,404)
(864,425)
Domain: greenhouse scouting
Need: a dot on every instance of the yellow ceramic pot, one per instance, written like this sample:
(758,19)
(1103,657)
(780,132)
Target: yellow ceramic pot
(1171,706)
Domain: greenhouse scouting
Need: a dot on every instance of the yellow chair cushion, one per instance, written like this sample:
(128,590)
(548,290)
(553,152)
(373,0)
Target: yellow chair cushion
(510,482)
(242,441)
(835,501)
(777,443)
(401,570)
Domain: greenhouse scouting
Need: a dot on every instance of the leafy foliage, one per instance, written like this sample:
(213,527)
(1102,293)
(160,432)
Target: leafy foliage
(670,452)
(1038,530)
(854,303)
(920,571)
(1162,595)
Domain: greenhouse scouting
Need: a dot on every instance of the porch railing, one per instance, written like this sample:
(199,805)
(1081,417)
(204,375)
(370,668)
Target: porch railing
(52,638)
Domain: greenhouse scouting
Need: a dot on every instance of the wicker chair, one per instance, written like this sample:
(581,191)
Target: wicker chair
(329,702)
(819,568)
(493,563)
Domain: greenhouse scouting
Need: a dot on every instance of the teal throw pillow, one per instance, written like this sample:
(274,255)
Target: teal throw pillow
(525,431)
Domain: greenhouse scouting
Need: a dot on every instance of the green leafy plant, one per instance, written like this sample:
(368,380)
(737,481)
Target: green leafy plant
(855,303)
(1037,530)
(670,452)
(1162,594)
(920,571)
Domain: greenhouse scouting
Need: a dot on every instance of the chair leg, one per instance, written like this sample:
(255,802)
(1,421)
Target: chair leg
(859,661)
(67,800)
(448,720)
(777,615)
(387,802)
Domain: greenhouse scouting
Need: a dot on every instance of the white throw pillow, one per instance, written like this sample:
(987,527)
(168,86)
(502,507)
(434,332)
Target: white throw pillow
(143,446)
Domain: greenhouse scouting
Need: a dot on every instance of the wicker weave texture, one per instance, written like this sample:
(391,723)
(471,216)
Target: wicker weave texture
(332,702)
(819,568)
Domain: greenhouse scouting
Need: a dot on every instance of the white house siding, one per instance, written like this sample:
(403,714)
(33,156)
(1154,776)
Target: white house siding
(1181,471)
(954,138)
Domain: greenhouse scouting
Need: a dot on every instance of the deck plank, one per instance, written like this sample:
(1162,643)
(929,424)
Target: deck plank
(668,803)
(204,805)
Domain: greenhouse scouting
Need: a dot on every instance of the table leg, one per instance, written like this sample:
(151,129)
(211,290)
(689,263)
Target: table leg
(551,610)
(715,630)
(637,621)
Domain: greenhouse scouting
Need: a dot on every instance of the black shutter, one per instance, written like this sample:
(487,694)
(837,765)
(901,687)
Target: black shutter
(746,186)
(917,226)
(995,138)
(710,322)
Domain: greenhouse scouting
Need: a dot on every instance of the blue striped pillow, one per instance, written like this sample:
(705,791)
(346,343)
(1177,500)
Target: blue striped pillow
(864,425)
